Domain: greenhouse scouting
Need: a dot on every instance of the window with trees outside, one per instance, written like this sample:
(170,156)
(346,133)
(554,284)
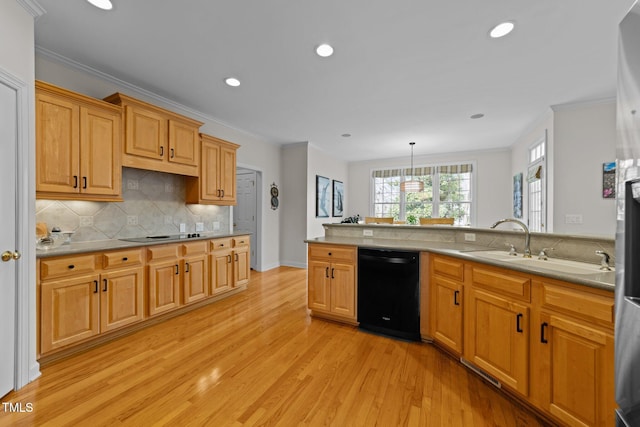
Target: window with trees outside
(447,193)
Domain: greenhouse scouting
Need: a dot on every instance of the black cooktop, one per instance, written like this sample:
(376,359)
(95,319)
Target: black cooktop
(161,238)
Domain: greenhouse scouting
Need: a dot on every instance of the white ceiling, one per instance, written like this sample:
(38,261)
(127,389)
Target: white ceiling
(403,70)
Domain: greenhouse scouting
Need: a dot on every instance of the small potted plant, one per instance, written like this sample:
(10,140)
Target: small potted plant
(411,219)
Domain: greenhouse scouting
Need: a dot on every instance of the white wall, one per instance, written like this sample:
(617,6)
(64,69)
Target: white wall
(293,203)
(322,163)
(585,138)
(492,193)
(253,153)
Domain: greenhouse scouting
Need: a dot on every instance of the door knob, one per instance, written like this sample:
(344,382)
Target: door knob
(8,255)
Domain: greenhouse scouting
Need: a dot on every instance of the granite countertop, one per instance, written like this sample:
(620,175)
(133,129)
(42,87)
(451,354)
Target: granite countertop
(601,280)
(106,245)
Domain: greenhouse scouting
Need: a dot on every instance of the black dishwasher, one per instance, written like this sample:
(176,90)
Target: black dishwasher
(389,292)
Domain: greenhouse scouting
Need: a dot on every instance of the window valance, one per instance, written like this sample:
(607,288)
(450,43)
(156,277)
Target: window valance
(421,171)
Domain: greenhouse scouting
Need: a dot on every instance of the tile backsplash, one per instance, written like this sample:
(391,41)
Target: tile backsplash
(153,204)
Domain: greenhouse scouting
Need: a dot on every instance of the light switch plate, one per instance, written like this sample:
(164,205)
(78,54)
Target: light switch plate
(469,237)
(367,233)
(183,227)
(199,226)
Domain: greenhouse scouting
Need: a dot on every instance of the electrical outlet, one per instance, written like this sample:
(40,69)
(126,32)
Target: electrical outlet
(183,227)
(469,237)
(367,233)
(132,219)
(86,221)
(199,226)
(573,219)
(132,184)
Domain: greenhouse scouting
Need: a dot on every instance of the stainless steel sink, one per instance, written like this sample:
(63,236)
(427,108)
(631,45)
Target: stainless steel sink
(550,264)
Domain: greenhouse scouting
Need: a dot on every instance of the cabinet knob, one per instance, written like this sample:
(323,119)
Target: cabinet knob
(125,259)
(71,267)
(329,253)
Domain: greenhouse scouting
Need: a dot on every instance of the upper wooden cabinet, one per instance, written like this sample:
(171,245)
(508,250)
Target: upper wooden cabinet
(78,144)
(158,139)
(216,184)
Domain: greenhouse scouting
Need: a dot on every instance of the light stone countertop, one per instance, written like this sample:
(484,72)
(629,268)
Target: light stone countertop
(107,245)
(601,280)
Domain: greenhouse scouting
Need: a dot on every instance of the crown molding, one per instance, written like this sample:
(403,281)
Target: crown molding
(582,104)
(151,96)
(33,7)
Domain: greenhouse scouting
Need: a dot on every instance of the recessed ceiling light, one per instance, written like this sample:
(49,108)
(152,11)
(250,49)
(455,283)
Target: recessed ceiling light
(232,81)
(346,135)
(102,4)
(501,29)
(324,50)
(477,116)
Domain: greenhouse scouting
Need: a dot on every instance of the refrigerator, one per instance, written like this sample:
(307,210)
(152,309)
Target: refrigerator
(627,290)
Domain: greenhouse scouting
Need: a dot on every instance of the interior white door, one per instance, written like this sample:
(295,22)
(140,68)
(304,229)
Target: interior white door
(245,213)
(8,142)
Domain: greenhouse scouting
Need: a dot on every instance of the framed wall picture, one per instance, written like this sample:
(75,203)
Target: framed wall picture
(517,195)
(323,196)
(609,180)
(338,198)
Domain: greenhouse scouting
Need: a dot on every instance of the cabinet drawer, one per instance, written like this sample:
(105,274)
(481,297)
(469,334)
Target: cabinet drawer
(194,248)
(241,241)
(578,302)
(68,266)
(503,281)
(220,244)
(449,267)
(333,253)
(122,258)
(161,252)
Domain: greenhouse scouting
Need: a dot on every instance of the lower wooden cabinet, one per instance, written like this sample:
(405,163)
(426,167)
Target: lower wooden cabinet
(195,266)
(163,286)
(121,298)
(331,281)
(229,264)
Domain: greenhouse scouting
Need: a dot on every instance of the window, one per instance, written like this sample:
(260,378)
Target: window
(536,185)
(447,193)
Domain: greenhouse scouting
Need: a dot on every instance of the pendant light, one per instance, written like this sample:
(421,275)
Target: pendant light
(413,185)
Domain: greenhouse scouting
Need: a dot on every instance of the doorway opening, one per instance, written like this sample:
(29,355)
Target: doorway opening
(247,213)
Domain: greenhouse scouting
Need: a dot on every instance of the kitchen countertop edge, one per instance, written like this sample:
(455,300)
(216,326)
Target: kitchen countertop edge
(107,245)
(604,281)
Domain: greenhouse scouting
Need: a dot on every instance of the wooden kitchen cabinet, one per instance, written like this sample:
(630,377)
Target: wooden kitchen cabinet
(217,181)
(331,281)
(78,144)
(446,285)
(76,306)
(195,285)
(158,139)
(163,278)
(229,264)
(574,351)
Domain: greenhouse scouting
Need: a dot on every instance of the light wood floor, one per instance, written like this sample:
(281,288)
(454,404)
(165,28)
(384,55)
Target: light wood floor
(257,358)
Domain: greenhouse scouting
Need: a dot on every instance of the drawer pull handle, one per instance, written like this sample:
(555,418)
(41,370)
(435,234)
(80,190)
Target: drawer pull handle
(326,273)
(236,257)
(95,290)
(186,265)
(84,182)
(75,181)
(221,244)
(161,151)
(172,155)
(455,298)
(332,270)
(518,319)
(71,267)
(543,327)
(105,286)
(125,258)
(177,269)
(228,259)
(222,193)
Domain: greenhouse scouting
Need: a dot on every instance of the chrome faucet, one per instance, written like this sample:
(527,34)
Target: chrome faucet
(527,237)
(604,261)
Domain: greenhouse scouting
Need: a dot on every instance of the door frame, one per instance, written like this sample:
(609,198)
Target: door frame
(259,198)
(27,367)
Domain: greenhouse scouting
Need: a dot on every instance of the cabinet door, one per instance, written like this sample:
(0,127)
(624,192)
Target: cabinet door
(579,362)
(242,266)
(146,133)
(228,174)
(195,283)
(319,286)
(57,145)
(221,271)
(446,313)
(69,311)
(183,143)
(496,338)
(343,290)
(121,298)
(100,152)
(164,286)
(209,171)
